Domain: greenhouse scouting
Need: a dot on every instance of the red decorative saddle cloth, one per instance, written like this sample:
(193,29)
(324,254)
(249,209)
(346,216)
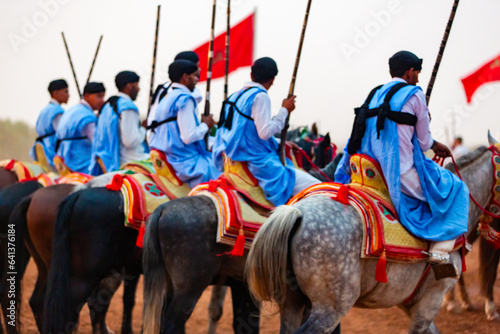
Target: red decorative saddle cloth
(25,171)
(384,237)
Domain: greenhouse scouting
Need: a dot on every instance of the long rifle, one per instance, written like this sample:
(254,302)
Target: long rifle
(210,63)
(71,64)
(93,61)
(441,51)
(151,84)
(228,29)
(292,83)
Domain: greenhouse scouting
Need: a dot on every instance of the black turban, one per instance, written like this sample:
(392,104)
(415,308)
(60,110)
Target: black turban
(403,61)
(125,77)
(57,84)
(188,55)
(264,69)
(94,88)
(180,67)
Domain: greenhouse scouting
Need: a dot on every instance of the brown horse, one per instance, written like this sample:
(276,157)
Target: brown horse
(7,177)
(489,258)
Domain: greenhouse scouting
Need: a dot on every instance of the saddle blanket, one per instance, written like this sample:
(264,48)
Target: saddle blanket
(238,222)
(142,166)
(25,171)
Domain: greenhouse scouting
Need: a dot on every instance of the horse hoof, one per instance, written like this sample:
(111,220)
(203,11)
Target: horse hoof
(467,306)
(453,307)
(109,330)
(493,316)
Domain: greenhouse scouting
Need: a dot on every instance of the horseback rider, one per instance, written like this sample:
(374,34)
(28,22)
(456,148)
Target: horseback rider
(178,132)
(162,90)
(118,137)
(393,127)
(75,131)
(46,124)
(246,132)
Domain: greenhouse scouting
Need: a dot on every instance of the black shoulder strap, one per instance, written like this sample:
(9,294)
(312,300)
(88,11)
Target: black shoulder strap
(155,94)
(359,125)
(227,122)
(41,138)
(164,92)
(113,102)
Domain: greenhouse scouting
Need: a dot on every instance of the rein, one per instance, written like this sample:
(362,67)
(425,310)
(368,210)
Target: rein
(302,153)
(485,230)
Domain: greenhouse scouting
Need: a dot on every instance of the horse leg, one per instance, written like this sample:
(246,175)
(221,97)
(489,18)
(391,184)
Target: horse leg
(489,259)
(99,301)
(129,289)
(246,314)
(450,303)
(464,296)
(216,307)
(294,311)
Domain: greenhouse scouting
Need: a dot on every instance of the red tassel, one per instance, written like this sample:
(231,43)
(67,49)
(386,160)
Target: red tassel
(10,165)
(116,183)
(239,245)
(381,271)
(140,237)
(464,267)
(342,194)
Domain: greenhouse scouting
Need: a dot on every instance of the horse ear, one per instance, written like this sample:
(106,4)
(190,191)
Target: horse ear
(491,140)
(326,139)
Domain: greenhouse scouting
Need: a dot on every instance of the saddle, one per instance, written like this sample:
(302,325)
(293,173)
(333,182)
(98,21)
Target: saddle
(25,171)
(143,190)
(241,205)
(384,237)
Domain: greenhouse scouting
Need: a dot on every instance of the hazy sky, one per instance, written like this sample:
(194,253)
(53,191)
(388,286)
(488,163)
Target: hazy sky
(345,53)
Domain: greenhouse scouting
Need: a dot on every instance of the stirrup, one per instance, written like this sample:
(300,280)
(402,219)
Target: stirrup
(442,266)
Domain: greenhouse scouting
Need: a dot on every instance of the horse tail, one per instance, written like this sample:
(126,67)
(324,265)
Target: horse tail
(266,267)
(18,219)
(56,315)
(155,276)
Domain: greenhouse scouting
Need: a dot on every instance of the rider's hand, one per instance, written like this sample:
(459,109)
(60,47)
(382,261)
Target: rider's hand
(294,146)
(441,150)
(208,120)
(289,103)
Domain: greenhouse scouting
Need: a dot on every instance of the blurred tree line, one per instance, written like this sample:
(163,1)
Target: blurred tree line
(16,139)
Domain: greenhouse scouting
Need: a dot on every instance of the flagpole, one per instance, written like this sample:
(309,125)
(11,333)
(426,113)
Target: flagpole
(71,64)
(209,69)
(228,29)
(153,67)
(292,83)
(441,51)
(95,57)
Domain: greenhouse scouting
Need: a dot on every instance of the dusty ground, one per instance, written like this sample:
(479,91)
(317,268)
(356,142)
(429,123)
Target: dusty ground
(357,321)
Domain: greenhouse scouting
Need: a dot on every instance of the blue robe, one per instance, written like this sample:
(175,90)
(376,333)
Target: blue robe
(242,143)
(76,153)
(192,162)
(106,143)
(44,128)
(445,215)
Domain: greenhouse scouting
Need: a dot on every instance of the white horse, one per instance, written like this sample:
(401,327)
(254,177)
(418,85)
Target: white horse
(306,258)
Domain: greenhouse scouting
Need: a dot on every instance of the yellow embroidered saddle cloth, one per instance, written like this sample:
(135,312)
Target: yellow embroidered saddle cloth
(241,205)
(384,237)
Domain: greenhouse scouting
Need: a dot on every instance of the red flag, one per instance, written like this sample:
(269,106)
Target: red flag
(489,72)
(240,50)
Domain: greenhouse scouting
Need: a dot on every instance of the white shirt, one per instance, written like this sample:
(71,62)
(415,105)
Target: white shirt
(57,118)
(89,129)
(416,105)
(152,111)
(189,131)
(261,114)
(131,135)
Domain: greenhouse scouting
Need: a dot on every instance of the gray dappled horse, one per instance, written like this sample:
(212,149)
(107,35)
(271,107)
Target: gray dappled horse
(308,254)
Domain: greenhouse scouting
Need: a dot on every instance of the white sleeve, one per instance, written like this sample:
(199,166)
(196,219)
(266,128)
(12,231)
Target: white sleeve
(55,121)
(131,134)
(190,133)
(261,114)
(424,135)
(89,130)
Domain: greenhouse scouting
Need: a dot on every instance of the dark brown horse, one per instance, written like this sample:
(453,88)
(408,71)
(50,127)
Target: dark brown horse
(7,177)
(10,241)
(489,258)
(37,215)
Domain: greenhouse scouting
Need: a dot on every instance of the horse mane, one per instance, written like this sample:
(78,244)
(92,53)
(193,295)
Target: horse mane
(467,159)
